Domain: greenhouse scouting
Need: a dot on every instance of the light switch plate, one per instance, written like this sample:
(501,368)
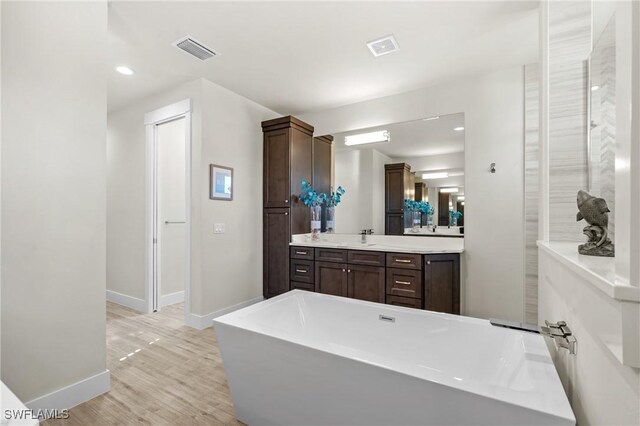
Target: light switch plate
(218,228)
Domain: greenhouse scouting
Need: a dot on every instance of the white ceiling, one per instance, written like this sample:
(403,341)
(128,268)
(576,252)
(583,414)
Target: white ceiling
(295,57)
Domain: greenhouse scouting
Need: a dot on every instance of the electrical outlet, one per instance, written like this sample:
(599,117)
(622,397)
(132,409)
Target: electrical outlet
(218,228)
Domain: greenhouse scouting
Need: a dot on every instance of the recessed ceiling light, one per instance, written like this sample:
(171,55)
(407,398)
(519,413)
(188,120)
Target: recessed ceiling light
(383,46)
(124,70)
(372,137)
(458,129)
(431,118)
(437,175)
(594,88)
(448,190)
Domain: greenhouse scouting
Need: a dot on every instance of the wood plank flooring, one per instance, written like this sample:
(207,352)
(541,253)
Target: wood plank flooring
(162,373)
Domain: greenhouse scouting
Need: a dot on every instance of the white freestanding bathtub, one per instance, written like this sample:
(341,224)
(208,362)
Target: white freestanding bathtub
(310,359)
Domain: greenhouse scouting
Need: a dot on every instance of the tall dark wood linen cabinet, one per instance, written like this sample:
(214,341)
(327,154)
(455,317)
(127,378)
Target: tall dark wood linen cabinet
(289,152)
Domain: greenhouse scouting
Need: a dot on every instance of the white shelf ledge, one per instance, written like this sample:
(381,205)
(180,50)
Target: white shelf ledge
(598,271)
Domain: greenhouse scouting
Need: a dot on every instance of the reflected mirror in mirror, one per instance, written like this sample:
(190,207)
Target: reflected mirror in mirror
(403,178)
(602,109)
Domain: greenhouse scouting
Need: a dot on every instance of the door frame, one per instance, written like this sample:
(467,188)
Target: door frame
(152,120)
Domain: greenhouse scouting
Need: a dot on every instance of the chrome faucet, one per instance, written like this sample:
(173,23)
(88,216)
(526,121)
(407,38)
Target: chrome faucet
(558,331)
(363,235)
(561,335)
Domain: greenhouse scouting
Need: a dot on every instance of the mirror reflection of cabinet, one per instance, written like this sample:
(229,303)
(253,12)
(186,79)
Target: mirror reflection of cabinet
(443,208)
(398,186)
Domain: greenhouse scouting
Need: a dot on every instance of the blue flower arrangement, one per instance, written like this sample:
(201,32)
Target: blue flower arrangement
(418,206)
(335,197)
(454,215)
(310,197)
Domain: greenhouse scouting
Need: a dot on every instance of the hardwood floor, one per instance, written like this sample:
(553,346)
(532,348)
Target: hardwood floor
(162,373)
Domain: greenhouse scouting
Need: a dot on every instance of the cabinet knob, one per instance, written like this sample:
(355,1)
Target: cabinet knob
(286,201)
(349,270)
(428,262)
(286,213)
(344,270)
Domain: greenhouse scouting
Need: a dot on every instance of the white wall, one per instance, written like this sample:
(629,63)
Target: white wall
(226,269)
(53,195)
(493,276)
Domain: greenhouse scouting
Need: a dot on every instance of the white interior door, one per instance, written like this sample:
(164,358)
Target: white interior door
(171,212)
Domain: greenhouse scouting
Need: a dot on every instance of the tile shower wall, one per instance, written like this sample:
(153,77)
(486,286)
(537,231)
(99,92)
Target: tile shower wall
(602,172)
(531,190)
(569,47)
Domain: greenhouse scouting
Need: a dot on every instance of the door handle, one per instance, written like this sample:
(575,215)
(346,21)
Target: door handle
(173,222)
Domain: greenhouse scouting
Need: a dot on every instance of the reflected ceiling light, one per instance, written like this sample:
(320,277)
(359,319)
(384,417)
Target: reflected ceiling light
(458,129)
(594,88)
(460,197)
(438,175)
(462,203)
(437,117)
(449,190)
(372,137)
(124,70)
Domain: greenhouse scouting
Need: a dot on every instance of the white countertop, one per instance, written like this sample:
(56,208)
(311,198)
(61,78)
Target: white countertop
(386,243)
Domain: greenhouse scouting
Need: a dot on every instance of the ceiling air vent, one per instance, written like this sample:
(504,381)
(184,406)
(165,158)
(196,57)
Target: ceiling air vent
(383,45)
(195,48)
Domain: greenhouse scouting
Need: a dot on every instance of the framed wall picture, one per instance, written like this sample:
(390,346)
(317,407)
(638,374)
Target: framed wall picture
(220,182)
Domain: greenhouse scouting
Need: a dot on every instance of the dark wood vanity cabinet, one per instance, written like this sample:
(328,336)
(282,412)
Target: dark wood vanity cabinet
(442,283)
(288,159)
(276,228)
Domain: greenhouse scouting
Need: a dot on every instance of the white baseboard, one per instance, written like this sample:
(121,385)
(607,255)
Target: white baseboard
(204,321)
(172,298)
(130,302)
(74,394)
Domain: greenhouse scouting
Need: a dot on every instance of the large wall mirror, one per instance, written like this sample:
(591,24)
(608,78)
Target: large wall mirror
(602,108)
(403,178)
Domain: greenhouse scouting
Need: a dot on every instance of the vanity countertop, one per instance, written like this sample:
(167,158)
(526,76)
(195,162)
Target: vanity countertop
(385,243)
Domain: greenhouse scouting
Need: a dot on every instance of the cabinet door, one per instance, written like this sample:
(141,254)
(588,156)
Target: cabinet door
(331,278)
(394,224)
(301,146)
(442,283)
(276,236)
(276,168)
(366,283)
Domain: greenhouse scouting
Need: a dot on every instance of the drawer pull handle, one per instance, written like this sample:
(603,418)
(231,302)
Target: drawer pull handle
(403,282)
(403,261)
(302,271)
(301,252)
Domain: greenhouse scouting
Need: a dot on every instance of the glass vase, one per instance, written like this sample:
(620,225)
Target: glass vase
(316,222)
(416,218)
(331,220)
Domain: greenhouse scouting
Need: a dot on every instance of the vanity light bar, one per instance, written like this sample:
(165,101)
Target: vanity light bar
(448,190)
(372,137)
(437,175)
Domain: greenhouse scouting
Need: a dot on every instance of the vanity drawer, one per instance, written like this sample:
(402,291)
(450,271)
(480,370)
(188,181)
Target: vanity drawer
(361,257)
(404,282)
(404,260)
(302,271)
(302,286)
(407,302)
(301,253)
(331,255)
